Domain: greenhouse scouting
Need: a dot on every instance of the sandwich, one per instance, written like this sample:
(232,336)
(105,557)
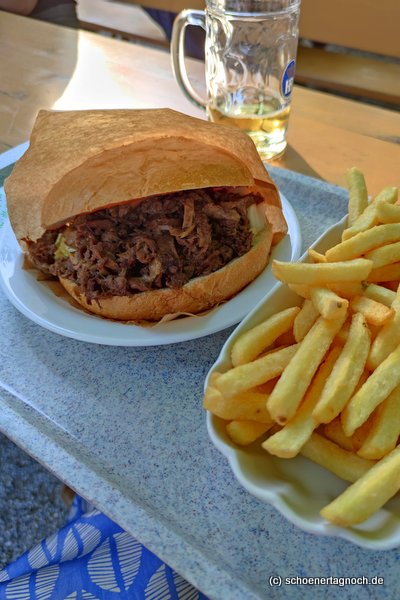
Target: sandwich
(143,213)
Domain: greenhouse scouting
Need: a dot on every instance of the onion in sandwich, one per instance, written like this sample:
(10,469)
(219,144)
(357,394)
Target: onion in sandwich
(143,213)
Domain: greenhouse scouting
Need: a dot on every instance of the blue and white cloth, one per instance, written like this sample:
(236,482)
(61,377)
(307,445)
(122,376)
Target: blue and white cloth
(92,558)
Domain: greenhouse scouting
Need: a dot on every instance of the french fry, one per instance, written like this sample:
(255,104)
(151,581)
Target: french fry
(360,434)
(244,433)
(374,391)
(315,256)
(374,330)
(347,289)
(346,373)
(341,337)
(318,274)
(323,380)
(386,273)
(344,464)
(248,406)
(379,294)
(389,195)
(288,442)
(267,387)
(388,337)
(328,304)
(304,291)
(370,216)
(365,221)
(389,212)
(364,376)
(358,195)
(244,377)
(364,242)
(374,312)
(254,341)
(384,255)
(358,437)
(344,289)
(286,339)
(304,320)
(391,285)
(369,493)
(385,430)
(296,377)
(334,432)
(343,334)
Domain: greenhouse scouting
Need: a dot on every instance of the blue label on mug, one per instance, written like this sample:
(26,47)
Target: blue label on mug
(288,79)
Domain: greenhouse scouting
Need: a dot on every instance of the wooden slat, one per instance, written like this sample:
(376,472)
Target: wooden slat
(361,24)
(124,35)
(47,66)
(328,150)
(359,76)
(364,119)
(169,5)
(127,21)
(354,75)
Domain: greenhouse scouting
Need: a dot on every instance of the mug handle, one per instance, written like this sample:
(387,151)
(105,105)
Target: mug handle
(183,19)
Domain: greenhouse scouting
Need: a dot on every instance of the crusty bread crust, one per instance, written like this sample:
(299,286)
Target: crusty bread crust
(199,294)
(82,161)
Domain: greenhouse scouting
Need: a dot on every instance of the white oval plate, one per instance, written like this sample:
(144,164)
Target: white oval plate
(41,305)
(297,488)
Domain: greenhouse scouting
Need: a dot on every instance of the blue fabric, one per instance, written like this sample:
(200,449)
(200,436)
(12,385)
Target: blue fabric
(91,558)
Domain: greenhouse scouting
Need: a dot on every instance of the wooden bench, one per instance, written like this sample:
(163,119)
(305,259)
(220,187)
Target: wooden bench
(360,25)
(124,21)
(331,27)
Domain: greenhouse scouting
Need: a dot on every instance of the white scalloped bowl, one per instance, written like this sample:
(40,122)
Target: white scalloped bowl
(297,488)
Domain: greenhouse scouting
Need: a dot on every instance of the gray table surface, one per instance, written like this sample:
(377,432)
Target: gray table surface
(125,428)
(30,497)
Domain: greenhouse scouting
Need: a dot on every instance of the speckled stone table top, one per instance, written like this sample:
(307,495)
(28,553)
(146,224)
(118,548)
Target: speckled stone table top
(125,428)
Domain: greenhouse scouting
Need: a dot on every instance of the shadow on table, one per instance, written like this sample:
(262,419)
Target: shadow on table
(297,162)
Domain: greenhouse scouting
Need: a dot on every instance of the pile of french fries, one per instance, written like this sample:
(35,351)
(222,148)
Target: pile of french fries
(322,378)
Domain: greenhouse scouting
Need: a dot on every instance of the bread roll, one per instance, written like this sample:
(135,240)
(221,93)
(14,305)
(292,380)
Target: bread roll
(79,162)
(198,295)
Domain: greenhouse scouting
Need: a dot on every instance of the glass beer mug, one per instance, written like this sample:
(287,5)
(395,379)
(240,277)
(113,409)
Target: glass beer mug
(250,54)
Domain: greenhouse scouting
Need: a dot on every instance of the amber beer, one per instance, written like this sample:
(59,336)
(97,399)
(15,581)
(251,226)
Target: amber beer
(267,128)
(250,54)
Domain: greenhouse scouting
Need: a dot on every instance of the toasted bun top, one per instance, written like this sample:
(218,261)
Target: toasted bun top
(81,161)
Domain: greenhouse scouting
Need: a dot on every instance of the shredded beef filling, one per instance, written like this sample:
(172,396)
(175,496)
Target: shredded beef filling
(163,242)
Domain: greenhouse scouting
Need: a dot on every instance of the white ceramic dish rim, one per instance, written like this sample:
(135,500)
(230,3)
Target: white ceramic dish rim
(369,535)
